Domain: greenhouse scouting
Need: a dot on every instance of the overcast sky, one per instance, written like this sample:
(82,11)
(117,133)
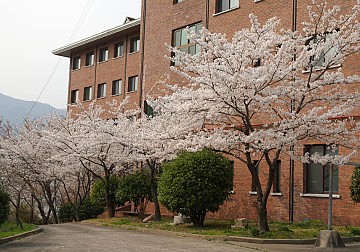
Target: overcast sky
(30,30)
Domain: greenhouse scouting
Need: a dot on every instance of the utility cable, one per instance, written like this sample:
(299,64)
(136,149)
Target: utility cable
(72,36)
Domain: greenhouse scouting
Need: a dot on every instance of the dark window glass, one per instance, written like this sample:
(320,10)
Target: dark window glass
(74,96)
(76,63)
(277,178)
(317,175)
(101,91)
(224,5)
(87,94)
(103,54)
(134,44)
(89,59)
(133,83)
(116,87)
(118,49)
(253,187)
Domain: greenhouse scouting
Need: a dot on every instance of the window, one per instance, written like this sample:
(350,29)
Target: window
(134,44)
(317,175)
(181,41)
(133,83)
(148,110)
(118,49)
(224,5)
(101,91)
(277,178)
(74,96)
(89,59)
(76,63)
(87,93)
(116,87)
(104,54)
(177,1)
(323,57)
(256,164)
(232,184)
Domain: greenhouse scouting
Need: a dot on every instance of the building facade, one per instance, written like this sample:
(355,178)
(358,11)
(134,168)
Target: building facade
(132,60)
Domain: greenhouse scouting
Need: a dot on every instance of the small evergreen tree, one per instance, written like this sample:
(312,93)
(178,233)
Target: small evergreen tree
(137,189)
(4,205)
(195,183)
(97,194)
(355,185)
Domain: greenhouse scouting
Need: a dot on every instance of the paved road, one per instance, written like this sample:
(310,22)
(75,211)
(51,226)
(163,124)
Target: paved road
(81,238)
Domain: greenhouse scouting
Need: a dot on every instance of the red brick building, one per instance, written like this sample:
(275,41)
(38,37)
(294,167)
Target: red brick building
(129,60)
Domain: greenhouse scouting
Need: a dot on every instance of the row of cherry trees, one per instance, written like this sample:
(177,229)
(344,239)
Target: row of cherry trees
(258,96)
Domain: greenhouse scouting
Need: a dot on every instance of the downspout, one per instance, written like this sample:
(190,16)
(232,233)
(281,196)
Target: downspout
(95,71)
(207,14)
(292,107)
(125,82)
(141,81)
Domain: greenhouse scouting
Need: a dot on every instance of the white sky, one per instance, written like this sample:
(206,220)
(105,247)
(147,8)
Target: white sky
(30,30)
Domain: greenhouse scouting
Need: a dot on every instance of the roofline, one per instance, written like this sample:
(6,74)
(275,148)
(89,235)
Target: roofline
(66,50)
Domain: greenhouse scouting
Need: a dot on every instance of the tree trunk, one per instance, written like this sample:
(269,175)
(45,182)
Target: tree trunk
(198,218)
(262,218)
(109,204)
(17,212)
(41,210)
(154,194)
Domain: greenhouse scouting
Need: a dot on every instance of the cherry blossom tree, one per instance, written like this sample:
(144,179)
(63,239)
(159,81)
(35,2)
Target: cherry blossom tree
(86,139)
(266,91)
(28,161)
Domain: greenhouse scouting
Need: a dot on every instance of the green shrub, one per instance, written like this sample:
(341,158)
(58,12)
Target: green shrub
(135,188)
(195,183)
(285,229)
(97,194)
(355,231)
(355,185)
(4,205)
(254,231)
(87,210)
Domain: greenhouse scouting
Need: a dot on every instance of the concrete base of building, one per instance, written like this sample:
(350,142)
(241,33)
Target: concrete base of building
(329,239)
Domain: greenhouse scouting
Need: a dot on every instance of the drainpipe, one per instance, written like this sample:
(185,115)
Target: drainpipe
(292,107)
(207,14)
(141,79)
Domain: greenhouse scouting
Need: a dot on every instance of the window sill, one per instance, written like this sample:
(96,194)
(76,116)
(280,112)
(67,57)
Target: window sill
(276,194)
(225,11)
(252,193)
(129,92)
(319,195)
(100,62)
(232,192)
(100,98)
(256,1)
(87,100)
(88,66)
(130,53)
(121,56)
(114,95)
(321,68)
(74,70)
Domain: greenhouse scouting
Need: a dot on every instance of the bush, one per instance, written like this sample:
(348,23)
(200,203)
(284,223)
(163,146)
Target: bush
(135,188)
(87,210)
(195,183)
(4,205)
(97,194)
(355,185)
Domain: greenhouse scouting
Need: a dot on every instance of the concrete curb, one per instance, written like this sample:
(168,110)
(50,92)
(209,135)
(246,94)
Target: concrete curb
(19,236)
(285,241)
(223,237)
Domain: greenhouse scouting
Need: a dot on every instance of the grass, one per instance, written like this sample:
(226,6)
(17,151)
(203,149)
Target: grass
(10,228)
(279,230)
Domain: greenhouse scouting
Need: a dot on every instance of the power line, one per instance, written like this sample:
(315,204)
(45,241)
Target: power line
(72,36)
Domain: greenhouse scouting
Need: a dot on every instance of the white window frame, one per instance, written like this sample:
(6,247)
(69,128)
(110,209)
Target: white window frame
(101,91)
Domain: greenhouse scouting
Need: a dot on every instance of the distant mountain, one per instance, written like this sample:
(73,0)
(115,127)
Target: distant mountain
(15,110)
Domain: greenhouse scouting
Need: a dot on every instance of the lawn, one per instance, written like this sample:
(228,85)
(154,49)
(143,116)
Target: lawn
(10,228)
(279,230)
